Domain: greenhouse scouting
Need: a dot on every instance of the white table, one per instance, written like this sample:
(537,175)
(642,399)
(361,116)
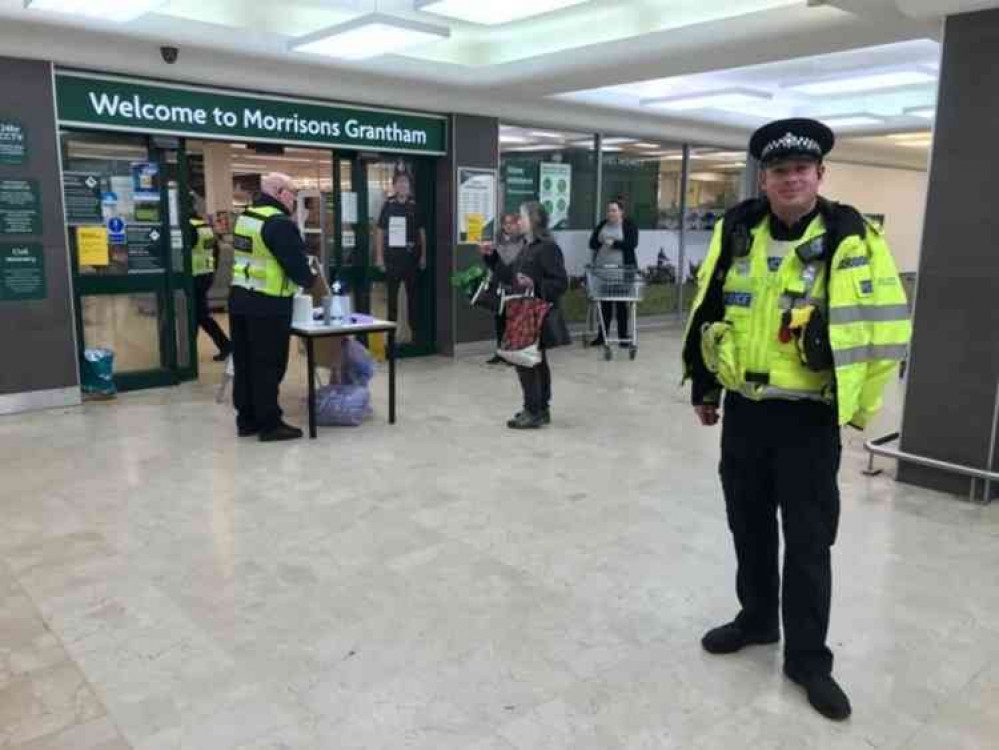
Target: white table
(309,332)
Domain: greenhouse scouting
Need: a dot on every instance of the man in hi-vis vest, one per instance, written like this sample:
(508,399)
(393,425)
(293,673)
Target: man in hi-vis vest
(801,319)
(204,256)
(270,266)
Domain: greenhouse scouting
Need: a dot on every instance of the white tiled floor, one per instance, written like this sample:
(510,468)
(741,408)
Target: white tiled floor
(449,585)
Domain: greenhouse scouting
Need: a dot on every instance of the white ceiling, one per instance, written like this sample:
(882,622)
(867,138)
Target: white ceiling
(588,65)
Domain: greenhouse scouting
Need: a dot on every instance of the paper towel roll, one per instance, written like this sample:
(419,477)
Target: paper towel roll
(302,311)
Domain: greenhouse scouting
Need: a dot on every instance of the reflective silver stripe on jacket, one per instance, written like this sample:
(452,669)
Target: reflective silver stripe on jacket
(868,314)
(768,392)
(870,353)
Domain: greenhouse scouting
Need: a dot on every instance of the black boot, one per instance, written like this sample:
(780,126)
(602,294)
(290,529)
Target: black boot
(824,693)
(525,421)
(280,433)
(729,638)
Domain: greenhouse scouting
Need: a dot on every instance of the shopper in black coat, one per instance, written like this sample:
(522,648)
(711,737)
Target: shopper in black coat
(614,243)
(541,267)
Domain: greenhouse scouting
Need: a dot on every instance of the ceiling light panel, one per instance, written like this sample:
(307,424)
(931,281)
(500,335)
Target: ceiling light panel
(369,36)
(864,83)
(493,14)
(733,100)
(859,120)
(118,11)
(926,113)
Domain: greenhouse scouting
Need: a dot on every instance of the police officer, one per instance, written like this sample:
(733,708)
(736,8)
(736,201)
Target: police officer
(801,319)
(204,255)
(400,249)
(270,265)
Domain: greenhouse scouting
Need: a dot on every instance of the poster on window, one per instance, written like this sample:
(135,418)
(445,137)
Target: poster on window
(476,204)
(556,192)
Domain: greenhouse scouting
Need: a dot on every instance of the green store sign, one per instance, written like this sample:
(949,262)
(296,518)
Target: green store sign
(123,104)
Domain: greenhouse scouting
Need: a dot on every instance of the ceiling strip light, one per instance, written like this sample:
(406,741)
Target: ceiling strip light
(119,11)
(493,14)
(860,84)
(367,36)
(854,120)
(735,100)
(927,113)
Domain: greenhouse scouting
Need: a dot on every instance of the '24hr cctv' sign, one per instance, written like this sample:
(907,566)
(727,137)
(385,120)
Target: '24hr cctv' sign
(124,104)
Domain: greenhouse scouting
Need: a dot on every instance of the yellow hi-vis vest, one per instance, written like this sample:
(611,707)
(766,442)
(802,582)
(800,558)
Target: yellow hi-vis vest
(203,252)
(255,267)
(858,292)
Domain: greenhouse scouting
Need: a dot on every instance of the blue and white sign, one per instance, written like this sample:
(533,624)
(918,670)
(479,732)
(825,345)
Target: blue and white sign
(116,230)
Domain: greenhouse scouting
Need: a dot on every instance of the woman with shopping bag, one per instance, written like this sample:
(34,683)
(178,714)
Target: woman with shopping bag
(537,280)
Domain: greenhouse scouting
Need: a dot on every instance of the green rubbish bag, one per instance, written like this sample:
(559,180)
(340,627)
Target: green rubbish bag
(97,372)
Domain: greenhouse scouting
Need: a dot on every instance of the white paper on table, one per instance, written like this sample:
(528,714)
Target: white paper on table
(397,231)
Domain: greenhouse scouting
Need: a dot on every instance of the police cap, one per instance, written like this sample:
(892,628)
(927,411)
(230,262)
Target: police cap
(794,138)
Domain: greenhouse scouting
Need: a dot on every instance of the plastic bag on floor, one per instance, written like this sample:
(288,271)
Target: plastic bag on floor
(342,405)
(358,364)
(97,372)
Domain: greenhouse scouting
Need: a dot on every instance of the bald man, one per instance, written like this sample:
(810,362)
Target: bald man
(271,265)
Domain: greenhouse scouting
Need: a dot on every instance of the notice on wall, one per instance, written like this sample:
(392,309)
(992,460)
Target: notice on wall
(20,207)
(520,184)
(146,182)
(476,204)
(13,143)
(92,246)
(349,203)
(145,249)
(22,271)
(82,195)
(556,192)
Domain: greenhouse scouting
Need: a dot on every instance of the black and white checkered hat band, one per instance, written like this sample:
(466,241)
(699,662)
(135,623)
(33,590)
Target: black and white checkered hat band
(790,142)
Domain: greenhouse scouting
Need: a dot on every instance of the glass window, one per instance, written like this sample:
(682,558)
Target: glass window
(715,184)
(559,169)
(646,177)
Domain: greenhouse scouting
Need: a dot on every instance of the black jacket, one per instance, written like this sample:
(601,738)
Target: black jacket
(285,242)
(628,245)
(543,263)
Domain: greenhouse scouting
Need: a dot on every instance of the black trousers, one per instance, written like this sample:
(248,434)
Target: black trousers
(260,355)
(202,284)
(403,268)
(500,328)
(536,382)
(786,455)
(608,310)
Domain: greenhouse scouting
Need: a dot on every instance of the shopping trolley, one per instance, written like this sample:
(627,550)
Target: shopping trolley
(613,284)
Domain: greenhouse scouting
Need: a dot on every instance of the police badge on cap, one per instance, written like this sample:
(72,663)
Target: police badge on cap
(788,139)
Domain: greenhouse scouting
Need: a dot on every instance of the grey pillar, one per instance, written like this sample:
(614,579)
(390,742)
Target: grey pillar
(37,338)
(955,352)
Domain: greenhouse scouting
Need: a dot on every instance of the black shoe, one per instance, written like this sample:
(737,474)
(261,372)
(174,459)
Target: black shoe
(525,421)
(247,431)
(598,341)
(546,416)
(496,360)
(625,344)
(280,433)
(825,695)
(727,639)
(222,356)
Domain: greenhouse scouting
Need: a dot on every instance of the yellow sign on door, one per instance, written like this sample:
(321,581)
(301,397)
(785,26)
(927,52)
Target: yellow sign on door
(92,246)
(476,223)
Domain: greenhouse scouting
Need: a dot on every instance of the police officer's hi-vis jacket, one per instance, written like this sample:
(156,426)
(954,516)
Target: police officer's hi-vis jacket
(830,323)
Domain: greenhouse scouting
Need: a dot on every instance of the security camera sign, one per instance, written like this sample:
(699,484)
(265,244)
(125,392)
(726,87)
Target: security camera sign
(13,143)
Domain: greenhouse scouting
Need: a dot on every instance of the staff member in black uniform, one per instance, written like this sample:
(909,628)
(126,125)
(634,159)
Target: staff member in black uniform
(400,250)
(204,261)
(271,264)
